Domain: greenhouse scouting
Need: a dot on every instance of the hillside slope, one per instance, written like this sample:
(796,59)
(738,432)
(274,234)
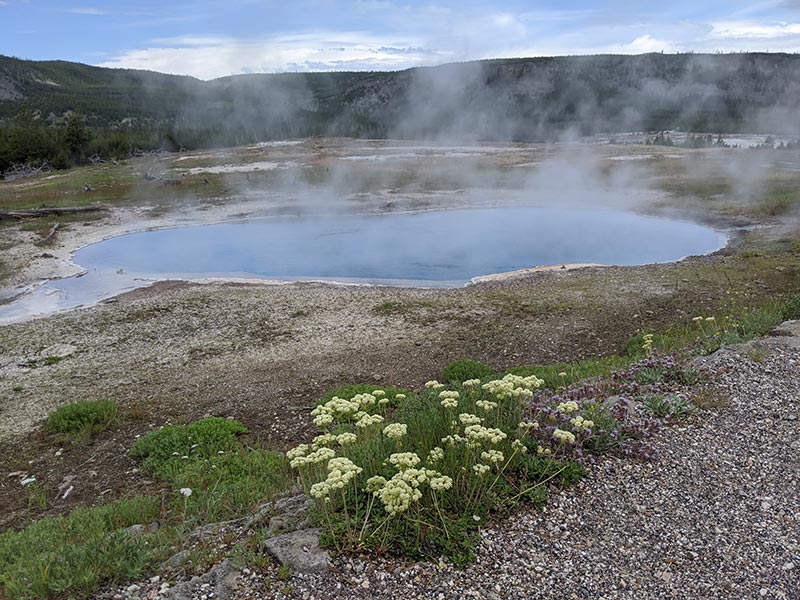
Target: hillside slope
(524,99)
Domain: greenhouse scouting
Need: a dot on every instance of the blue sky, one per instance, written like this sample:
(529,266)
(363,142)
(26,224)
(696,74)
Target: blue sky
(211,39)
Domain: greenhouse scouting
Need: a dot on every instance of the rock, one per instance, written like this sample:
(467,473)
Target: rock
(139,530)
(175,561)
(218,583)
(213,529)
(300,551)
(787,328)
(58,351)
(287,522)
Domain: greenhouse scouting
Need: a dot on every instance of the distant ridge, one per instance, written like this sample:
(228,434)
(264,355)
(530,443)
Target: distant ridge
(506,99)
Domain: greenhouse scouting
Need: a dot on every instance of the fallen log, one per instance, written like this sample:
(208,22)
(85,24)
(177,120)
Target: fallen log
(24,213)
(52,232)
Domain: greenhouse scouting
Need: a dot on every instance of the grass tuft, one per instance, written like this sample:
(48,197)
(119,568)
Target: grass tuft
(462,370)
(82,420)
(167,451)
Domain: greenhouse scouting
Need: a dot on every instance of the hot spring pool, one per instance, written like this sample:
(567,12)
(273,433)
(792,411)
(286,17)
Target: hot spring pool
(433,249)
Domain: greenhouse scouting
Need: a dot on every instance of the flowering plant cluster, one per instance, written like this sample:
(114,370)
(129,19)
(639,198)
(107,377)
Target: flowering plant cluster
(429,466)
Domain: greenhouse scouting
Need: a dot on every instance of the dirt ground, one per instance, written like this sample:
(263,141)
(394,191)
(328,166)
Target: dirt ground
(178,351)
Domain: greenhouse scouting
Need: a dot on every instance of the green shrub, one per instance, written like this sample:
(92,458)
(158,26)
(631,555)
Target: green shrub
(67,557)
(82,419)
(167,451)
(463,370)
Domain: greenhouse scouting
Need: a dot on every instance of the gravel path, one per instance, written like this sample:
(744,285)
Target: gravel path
(715,516)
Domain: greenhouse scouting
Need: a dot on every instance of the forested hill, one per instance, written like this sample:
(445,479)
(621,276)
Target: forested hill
(513,99)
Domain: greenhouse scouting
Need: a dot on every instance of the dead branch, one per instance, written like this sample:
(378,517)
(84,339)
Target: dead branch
(47,210)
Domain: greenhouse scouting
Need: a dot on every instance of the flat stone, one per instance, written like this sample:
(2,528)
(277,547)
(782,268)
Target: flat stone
(300,551)
(218,583)
(788,328)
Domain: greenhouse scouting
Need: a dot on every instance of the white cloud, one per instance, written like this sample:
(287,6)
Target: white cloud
(87,10)
(753,30)
(643,44)
(208,58)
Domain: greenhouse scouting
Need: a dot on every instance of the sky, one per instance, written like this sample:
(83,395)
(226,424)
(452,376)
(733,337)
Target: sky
(212,39)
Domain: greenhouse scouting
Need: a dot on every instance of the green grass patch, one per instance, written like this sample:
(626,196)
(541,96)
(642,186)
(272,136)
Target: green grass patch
(561,374)
(231,484)
(167,451)
(462,370)
(707,333)
(67,557)
(83,419)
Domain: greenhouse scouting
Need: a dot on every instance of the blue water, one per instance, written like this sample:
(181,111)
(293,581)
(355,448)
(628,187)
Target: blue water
(441,248)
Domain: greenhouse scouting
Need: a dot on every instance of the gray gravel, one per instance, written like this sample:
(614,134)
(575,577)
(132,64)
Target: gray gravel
(714,516)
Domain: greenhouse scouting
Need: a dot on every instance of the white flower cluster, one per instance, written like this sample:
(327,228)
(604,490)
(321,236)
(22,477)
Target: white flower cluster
(378,393)
(435,455)
(542,451)
(492,456)
(449,398)
(300,458)
(347,438)
(404,460)
(518,446)
(471,383)
(438,484)
(341,471)
(326,439)
(364,420)
(513,386)
(397,495)
(374,484)
(567,407)
(300,450)
(479,433)
(486,405)
(395,431)
(340,409)
(528,425)
(400,397)
(581,424)
(564,437)
(433,385)
(468,419)
(402,489)
(480,469)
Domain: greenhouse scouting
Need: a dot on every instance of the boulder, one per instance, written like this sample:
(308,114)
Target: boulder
(300,551)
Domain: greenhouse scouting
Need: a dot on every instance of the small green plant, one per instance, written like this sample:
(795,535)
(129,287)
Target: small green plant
(37,496)
(82,420)
(167,451)
(284,572)
(463,370)
(667,405)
